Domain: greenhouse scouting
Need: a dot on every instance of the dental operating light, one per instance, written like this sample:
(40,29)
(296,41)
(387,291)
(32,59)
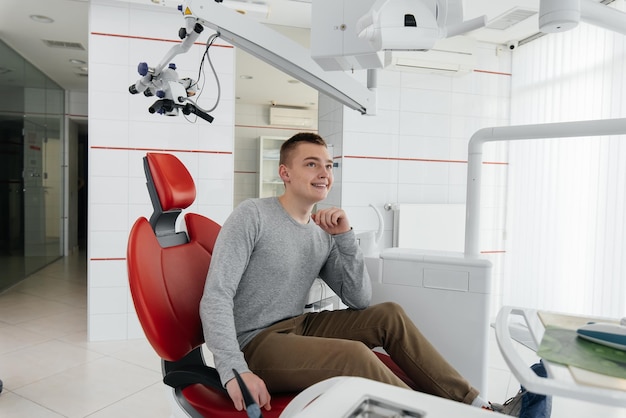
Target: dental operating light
(414,25)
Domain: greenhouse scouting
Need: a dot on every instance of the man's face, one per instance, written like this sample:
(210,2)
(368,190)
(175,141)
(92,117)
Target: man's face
(309,173)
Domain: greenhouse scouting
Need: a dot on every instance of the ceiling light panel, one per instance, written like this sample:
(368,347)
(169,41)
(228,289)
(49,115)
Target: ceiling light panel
(41,19)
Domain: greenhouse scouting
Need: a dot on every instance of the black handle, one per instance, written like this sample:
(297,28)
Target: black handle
(189,108)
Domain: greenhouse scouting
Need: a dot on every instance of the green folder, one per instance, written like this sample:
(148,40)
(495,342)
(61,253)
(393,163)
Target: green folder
(565,347)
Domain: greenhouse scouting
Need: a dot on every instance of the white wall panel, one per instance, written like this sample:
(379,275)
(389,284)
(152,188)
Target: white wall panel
(107,244)
(108,163)
(437,148)
(106,274)
(370,144)
(111,50)
(108,300)
(107,189)
(108,217)
(107,327)
(110,104)
(384,122)
(111,133)
(426,101)
(414,80)
(425,124)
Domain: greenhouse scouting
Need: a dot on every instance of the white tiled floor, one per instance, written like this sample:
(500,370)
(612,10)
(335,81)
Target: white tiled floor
(48,367)
(50,370)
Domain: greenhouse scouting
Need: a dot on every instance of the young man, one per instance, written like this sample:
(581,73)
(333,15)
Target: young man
(266,258)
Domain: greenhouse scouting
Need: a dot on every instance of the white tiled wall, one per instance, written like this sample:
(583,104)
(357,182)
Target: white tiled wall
(121,131)
(414,150)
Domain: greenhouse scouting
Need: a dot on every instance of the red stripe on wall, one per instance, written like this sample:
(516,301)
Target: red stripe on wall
(108,259)
(364,157)
(427,160)
(492,72)
(145,38)
(161,149)
(276,127)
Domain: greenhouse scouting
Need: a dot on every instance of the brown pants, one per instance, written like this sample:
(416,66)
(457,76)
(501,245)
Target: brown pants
(299,352)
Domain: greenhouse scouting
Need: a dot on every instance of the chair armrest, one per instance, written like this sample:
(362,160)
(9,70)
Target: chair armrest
(191,375)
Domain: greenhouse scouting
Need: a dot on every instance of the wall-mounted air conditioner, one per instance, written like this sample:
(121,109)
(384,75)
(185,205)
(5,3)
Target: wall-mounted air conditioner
(293,117)
(453,56)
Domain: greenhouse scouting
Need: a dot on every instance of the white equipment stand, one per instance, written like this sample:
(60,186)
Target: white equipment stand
(447,296)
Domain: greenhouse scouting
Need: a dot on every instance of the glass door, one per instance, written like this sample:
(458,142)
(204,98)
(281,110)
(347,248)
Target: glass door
(34,209)
(31,168)
(42,217)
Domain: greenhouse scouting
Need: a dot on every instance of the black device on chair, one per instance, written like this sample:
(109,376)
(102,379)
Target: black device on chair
(252,408)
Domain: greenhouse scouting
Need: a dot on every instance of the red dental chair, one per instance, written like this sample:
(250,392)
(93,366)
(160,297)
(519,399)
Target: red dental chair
(167,270)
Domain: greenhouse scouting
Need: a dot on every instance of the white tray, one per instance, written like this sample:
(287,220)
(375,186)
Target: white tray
(560,381)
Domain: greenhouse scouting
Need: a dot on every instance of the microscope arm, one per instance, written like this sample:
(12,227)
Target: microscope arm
(279,51)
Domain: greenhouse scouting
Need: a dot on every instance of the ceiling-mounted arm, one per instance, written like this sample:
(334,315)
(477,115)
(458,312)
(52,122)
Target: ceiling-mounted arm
(603,16)
(563,15)
(279,51)
(450,19)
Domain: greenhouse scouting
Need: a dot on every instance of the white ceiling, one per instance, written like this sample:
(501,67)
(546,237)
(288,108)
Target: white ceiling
(268,85)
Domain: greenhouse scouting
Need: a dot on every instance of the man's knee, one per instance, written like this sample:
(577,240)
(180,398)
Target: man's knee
(390,310)
(392,317)
(390,307)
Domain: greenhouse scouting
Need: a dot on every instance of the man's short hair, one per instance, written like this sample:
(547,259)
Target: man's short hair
(286,150)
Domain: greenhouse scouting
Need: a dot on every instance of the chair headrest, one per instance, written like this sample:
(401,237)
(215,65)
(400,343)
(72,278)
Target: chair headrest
(173,183)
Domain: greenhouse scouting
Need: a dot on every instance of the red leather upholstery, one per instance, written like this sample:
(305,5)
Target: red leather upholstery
(396,370)
(210,403)
(167,284)
(173,182)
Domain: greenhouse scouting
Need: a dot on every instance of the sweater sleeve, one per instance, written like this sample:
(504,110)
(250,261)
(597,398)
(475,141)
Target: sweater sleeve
(345,272)
(232,251)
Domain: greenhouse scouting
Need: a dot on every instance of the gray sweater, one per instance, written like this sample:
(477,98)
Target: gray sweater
(263,266)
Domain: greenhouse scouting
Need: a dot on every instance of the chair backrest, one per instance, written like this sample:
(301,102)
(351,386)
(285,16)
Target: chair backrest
(171,189)
(167,268)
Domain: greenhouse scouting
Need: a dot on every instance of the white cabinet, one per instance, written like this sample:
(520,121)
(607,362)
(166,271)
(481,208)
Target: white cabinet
(270,183)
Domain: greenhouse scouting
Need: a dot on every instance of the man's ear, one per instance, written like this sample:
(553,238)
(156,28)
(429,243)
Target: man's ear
(283,172)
